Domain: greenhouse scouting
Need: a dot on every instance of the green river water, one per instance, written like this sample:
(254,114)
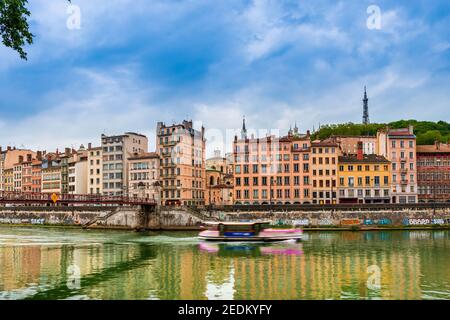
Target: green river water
(54,263)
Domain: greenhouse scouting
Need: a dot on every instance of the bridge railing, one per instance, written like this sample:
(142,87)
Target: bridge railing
(32,197)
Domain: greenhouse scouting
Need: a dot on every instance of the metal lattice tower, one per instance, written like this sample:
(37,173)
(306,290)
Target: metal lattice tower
(365,108)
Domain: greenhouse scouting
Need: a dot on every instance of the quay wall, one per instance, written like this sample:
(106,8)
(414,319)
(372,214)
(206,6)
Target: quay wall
(73,216)
(166,218)
(345,218)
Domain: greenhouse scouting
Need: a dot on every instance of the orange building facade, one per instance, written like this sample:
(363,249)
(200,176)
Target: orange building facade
(324,161)
(182,164)
(272,169)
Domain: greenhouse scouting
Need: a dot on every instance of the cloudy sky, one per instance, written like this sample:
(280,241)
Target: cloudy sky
(135,62)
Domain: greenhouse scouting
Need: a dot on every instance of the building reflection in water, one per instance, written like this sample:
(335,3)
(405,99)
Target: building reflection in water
(330,265)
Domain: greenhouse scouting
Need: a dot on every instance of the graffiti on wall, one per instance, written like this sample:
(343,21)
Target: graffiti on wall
(383,221)
(288,222)
(416,222)
(51,219)
(325,222)
(350,222)
(300,222)
(437,221)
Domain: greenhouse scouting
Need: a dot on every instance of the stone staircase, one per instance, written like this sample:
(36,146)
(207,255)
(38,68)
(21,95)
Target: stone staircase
(101,218)
(199,214)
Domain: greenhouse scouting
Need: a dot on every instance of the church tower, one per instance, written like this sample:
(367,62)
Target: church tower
(365,108)
(244,130)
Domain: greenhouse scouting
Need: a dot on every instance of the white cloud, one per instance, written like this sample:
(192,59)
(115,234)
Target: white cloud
(268,28)
(109,103)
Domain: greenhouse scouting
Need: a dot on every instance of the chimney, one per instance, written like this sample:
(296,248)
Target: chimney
(67,151)
(9,148)
(308,133)
(411,129)
(20,159)
(360,154)
(29,157)
(89,146)
(39,155)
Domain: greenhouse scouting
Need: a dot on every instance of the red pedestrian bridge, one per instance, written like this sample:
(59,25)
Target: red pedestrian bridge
(30,198)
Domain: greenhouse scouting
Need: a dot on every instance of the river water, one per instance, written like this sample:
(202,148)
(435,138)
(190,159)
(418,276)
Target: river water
(54,263)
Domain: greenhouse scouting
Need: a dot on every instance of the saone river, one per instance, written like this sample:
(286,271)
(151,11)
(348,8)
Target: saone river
(40,263)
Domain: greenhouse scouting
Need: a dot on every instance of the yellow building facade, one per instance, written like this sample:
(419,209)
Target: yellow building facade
(364,179)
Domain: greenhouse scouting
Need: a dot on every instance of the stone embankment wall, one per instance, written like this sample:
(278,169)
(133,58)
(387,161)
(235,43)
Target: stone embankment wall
(101,217)
(389,217)
(73,216)
(188,219)
(173,219)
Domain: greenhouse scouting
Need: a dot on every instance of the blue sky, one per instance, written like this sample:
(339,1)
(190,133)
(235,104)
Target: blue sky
(136,62)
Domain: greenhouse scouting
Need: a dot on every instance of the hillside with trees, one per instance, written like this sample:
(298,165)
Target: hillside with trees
(427,132)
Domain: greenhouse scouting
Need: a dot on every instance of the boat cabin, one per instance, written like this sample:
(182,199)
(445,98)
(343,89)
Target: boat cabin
(240,228)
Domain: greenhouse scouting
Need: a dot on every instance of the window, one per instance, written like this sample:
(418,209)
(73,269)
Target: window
(377,180)
(360,181)
(264,168)
(264,181)
(351,181)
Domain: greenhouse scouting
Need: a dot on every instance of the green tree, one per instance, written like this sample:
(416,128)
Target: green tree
(427,132)
(14,28)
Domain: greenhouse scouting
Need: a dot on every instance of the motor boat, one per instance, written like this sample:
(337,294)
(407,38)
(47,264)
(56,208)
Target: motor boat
(247,231)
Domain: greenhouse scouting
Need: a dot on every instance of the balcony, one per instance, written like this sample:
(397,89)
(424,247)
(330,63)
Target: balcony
(170,143)
(169,165)
(170,187)
(404,182)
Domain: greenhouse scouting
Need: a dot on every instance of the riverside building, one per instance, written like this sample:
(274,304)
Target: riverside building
(115,153)
(94,170)
(181,149)
(143,171)
(273,169)
(433,172)
(324,171)
(399,147)
(364,178)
